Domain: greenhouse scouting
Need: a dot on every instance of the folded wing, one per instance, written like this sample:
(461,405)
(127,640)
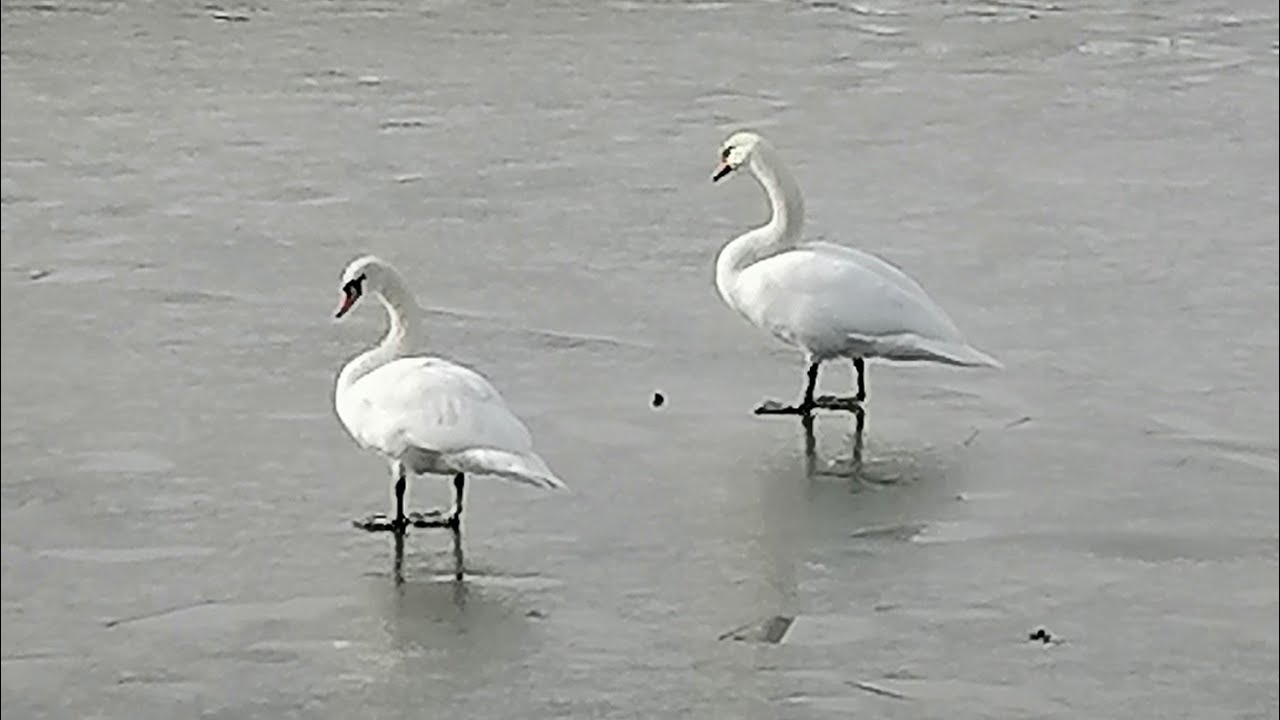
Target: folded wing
(429,407)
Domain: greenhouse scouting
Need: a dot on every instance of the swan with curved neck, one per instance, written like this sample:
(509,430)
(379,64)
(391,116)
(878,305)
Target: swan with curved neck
(424,414)
(828,300)
(402,315)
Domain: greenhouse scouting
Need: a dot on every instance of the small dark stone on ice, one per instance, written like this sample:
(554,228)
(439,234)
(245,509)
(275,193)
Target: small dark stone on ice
(1041,634)
(658,399)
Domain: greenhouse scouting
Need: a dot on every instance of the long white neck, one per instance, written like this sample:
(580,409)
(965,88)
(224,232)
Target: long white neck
(402,331)
(780,234)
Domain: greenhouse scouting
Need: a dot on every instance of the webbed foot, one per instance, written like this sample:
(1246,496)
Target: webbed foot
(379,522)
(434,519)
(773,407)
(834,402)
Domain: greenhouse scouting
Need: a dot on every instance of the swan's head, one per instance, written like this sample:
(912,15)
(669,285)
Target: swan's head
(735,152)
(364,274)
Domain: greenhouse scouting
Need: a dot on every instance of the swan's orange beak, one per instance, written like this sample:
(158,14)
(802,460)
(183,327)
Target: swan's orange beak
(349,297)
(724,169)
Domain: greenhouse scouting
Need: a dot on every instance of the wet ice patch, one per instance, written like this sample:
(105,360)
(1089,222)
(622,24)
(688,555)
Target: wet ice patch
(127,555)
(192,297)
(506,582)
(899,532)
(997,700)
(73,275)
(954,532)
(124,462)
(214,616)
(804,630)
(812,630)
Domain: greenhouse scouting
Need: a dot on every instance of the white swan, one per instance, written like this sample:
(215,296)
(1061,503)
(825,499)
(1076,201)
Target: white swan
(425,414)
(828,300)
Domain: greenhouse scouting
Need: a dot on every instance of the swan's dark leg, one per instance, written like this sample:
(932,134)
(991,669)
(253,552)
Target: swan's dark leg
(455,523)
(455,518)
(379,522)
(812,386)
(806,406)
(400,488)
(832,402)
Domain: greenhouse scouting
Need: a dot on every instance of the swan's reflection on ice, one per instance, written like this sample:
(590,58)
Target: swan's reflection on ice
(479,624)
(397,557)
(812,466)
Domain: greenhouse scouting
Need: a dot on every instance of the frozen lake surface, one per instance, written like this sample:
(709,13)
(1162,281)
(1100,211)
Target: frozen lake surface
(1089,188)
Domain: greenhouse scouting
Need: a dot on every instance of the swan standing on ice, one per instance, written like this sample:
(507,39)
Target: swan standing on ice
(425,414)
(828,300)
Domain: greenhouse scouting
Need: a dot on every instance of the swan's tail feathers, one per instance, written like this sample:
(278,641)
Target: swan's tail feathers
(968,356)
(524,468)
(909,347)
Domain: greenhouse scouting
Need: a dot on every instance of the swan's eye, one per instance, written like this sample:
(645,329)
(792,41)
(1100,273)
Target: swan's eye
(354,287)
(724,154)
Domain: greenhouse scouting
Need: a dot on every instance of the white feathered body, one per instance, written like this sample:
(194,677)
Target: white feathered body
(439,417)
(835,301)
